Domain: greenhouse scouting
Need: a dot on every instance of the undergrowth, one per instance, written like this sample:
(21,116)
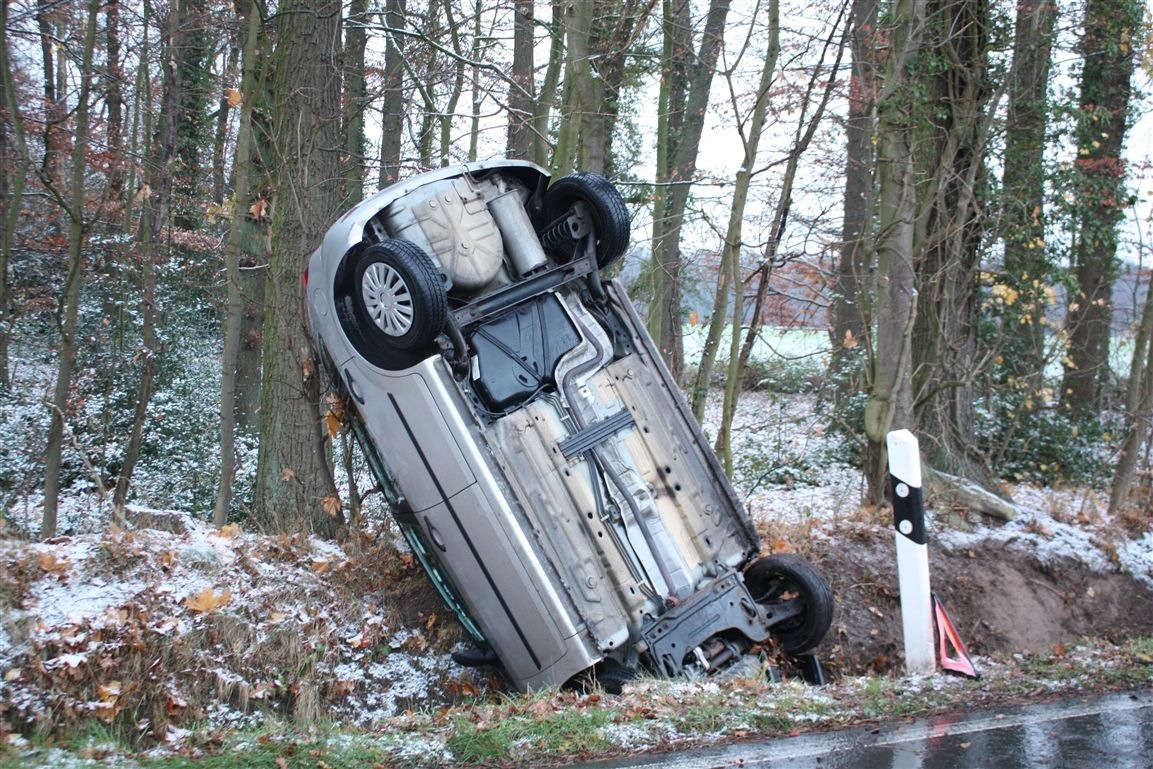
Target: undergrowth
(551,727)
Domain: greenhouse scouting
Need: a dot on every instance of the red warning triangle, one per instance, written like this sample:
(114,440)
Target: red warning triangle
(947,637)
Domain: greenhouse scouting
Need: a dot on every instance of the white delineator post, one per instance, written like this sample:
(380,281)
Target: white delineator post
(912,552)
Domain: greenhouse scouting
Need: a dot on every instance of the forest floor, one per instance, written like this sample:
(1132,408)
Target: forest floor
(174,634)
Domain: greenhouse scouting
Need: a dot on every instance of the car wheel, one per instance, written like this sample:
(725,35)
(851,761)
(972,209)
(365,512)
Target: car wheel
(782,579)
(580,201)
(393,303)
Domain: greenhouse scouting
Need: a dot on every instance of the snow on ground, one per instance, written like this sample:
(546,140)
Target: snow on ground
(247,604)
(69,601)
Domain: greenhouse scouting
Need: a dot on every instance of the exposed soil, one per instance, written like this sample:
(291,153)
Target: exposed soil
(1002,599)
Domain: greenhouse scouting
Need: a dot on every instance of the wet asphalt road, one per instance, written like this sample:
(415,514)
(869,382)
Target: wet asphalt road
(1110,732)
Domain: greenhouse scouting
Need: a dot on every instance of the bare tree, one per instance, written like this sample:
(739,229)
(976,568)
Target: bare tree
(72,202)
(686,80)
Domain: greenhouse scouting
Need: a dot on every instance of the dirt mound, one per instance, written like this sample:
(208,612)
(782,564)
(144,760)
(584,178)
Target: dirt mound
(1002,599)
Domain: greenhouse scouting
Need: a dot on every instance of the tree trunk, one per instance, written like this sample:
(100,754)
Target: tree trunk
(356,102)
(294,481)
(952,130)
(851,312)
(55,99)
(889,404)
(223,110)
(152,221)
(546,98)
(68,307)
(741,349)
(522,82)
(17,162)
(578,96)
(1102,121)
(1027,266)
(1138,415)
(675,178)
(233,253)
(729,271)
(193,129)
(392,106)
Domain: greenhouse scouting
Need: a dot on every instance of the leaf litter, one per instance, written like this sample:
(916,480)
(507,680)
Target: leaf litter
(158,630)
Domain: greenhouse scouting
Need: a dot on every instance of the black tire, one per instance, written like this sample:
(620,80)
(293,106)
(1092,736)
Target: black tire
(585,194)
(780,579)
(392,303)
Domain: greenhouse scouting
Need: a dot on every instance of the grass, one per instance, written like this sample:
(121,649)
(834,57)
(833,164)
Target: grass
(554,727)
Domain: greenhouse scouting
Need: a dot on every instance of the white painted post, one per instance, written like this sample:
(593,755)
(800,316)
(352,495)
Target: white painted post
(912,552)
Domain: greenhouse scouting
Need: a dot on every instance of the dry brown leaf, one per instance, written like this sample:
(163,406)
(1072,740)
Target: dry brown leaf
(331,505)
(334,421)
(52,563)
(208,600)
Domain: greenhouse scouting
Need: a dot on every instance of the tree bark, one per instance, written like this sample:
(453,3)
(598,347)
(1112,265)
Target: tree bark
(294,481)
(1103,119)
(161,181)
(67,309)
(17,162)
(233,253)
(546,99)
(392,105)
(889,403)
(1138,415)
(522,83)
(729,271)
(356,102)
(851,311)
(1027,266)
(952,136)
(677,178)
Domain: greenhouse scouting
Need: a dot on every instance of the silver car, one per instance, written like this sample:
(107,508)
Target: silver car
(538,456)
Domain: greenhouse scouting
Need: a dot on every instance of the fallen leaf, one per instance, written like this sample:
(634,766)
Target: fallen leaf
(49,562)
(231,530)
(208,600)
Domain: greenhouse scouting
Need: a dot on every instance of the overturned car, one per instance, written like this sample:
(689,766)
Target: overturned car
(539,459)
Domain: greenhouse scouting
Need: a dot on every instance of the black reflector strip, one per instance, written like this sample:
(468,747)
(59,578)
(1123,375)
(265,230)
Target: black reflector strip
(595,434)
